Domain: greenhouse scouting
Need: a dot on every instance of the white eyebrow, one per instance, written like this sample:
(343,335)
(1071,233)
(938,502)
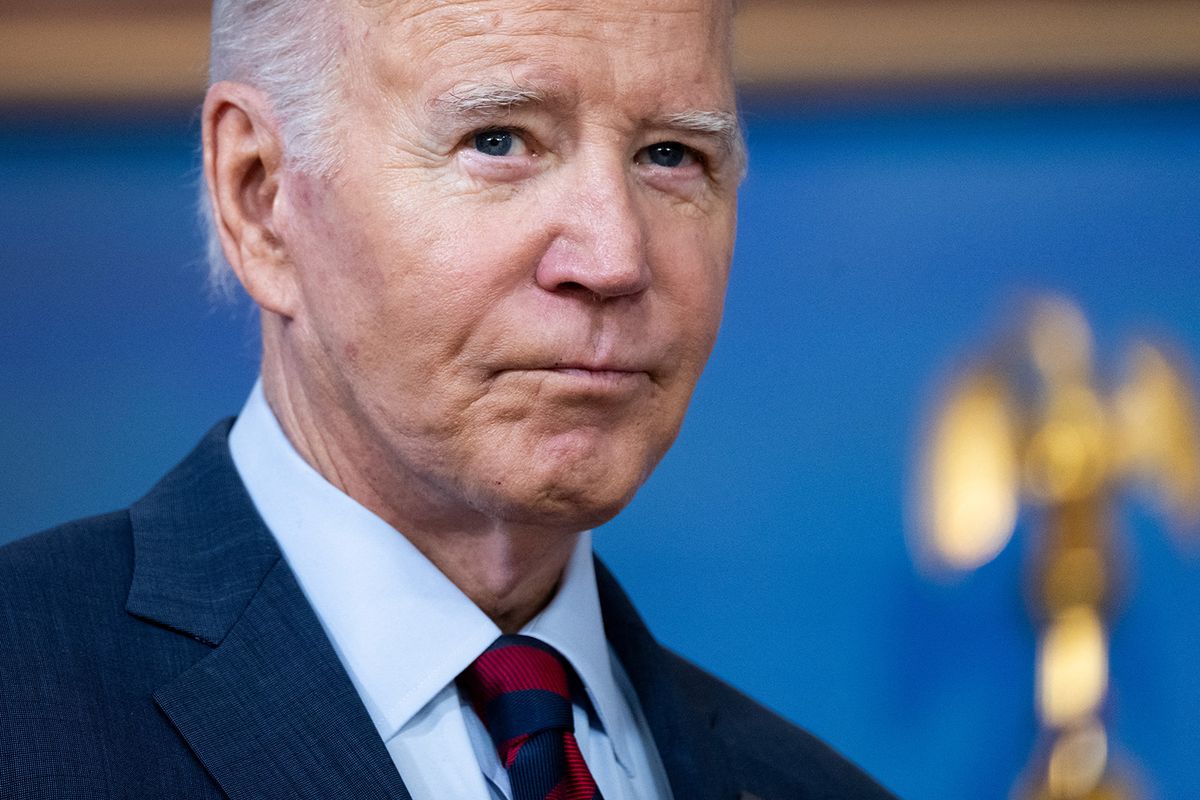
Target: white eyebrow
(721,125)
(717,123)
(476,99)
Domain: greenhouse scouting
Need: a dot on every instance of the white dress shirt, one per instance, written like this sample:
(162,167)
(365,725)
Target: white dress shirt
(404,632)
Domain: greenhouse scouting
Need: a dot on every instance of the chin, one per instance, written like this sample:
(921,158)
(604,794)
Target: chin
(572,478)
(571,494)
(569,505)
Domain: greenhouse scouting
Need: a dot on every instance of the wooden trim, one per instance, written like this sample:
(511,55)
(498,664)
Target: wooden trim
(826,44)
(125,57)
(134,55)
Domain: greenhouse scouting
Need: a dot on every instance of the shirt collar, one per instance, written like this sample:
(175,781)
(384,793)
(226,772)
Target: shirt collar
(401,628)
(572,624)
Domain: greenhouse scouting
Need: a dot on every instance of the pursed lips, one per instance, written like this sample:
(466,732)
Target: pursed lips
(597,373)
(591,370)
(588,377)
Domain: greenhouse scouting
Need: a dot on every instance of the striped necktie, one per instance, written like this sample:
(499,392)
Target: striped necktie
(521,689)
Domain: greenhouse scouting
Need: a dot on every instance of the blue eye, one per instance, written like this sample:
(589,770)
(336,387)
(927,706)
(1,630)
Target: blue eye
(494,142)
(667,154)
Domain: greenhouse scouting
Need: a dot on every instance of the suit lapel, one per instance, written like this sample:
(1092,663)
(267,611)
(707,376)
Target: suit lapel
(270,712)
(683,732)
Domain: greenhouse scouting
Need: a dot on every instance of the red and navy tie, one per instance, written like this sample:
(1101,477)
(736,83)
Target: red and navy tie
(521,689)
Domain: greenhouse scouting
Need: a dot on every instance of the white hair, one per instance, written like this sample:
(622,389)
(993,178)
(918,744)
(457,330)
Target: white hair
(287,49)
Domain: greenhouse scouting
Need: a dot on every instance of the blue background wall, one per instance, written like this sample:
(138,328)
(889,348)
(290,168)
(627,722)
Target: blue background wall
(877,243)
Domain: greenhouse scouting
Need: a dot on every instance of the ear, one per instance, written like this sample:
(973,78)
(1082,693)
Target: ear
(243,168)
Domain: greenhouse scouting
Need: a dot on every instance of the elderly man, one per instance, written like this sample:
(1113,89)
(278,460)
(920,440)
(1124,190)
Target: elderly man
(489,241)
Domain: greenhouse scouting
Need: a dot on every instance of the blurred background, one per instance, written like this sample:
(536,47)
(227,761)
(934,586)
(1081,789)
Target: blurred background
(916,167)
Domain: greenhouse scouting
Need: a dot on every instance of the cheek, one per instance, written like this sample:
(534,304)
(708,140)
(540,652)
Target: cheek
(693,279)
(332,238)
(420,310)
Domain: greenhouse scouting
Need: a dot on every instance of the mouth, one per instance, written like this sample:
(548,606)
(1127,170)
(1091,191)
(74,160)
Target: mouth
(587,379)
(603,374)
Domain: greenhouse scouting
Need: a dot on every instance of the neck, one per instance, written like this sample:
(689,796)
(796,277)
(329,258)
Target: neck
(509,570)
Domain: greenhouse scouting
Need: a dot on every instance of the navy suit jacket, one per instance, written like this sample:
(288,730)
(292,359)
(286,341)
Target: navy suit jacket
(166,651)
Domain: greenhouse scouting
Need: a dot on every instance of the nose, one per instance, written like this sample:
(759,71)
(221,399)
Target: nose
(601,249)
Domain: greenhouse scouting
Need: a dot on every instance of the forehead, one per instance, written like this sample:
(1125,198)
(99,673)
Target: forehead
(602,49)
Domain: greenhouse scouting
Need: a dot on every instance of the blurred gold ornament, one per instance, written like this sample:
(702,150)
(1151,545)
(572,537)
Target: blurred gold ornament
(1159,435)
(971,474)
(1072,667)
(1030,424)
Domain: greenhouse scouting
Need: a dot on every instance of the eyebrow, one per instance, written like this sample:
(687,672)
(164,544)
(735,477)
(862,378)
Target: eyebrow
(481,99)
(723,126)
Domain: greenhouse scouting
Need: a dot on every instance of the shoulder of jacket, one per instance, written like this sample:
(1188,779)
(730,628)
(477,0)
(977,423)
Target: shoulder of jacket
(89,547)
(765,743)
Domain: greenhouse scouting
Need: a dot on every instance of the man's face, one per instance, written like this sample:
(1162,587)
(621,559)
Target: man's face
(510,288)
